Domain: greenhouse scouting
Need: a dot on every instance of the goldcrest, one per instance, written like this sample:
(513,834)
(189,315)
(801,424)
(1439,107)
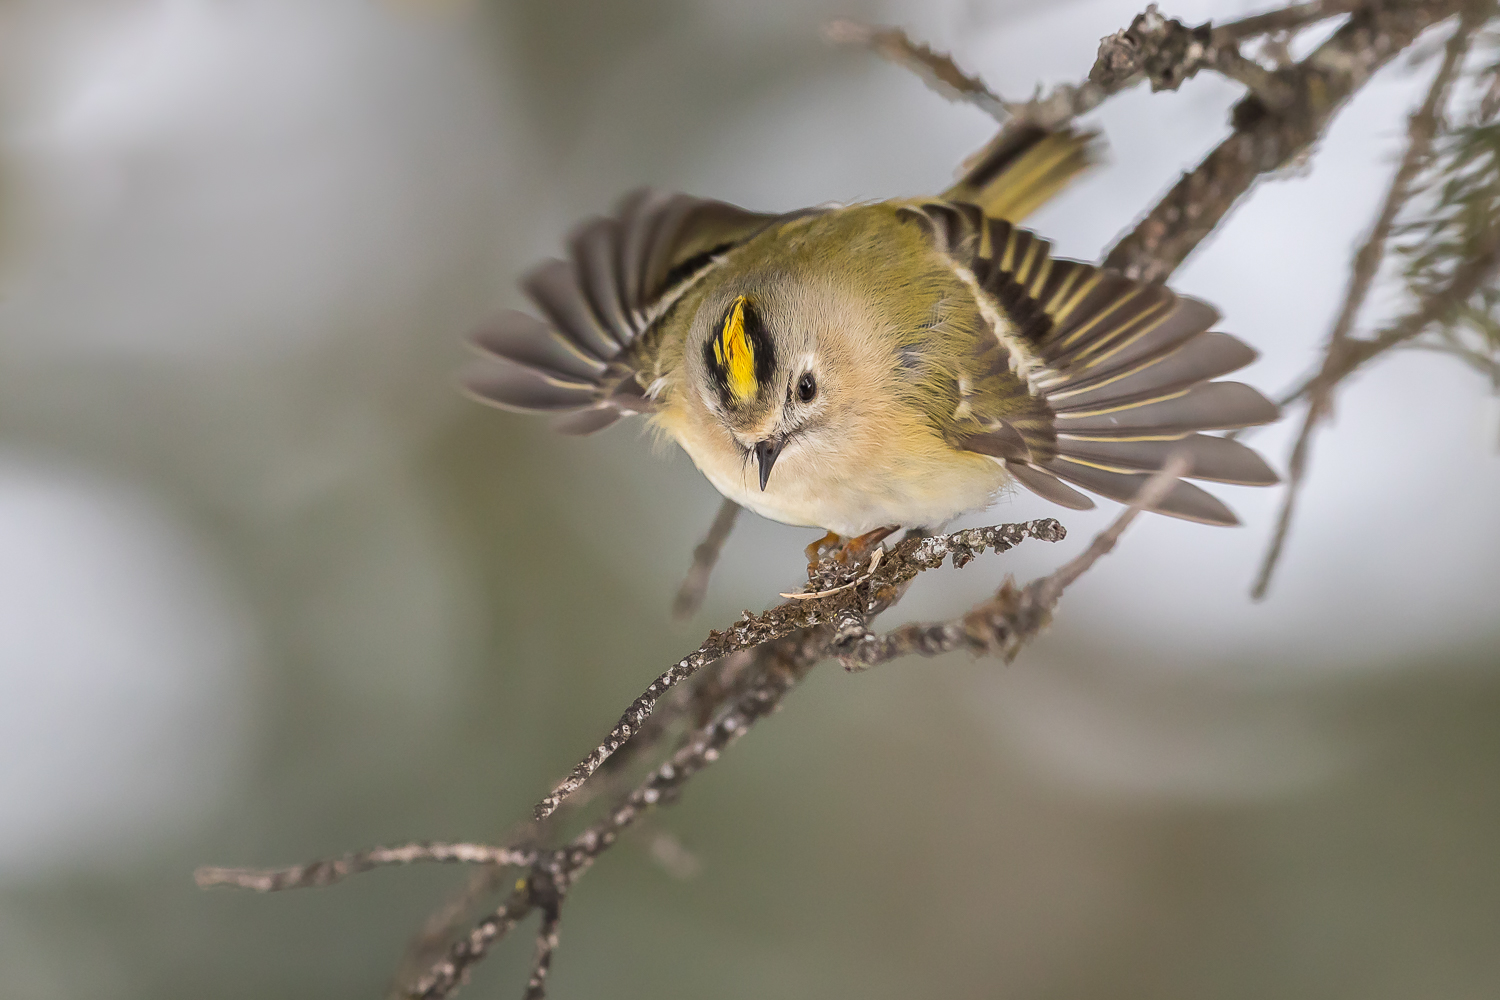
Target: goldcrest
(889,364)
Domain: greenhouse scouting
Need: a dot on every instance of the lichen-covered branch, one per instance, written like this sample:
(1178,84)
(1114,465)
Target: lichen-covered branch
(1154,49)
(1292,18)
(432,942)
(331,870)
(450,973)
(541,964)
(908,559)
(1010,619)
(774,669)
(1164,53)
(780,646)
(1268,136)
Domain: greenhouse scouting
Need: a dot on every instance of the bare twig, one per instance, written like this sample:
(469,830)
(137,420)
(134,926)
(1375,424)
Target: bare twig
(705,557)
(1268,85)
(1265,139)
(1151,494)
(1291,18)
(1422,128)
(331,870)
(1467,279)
(449,973)
(546,944)
(936,69)
(1356,352)
(430,943)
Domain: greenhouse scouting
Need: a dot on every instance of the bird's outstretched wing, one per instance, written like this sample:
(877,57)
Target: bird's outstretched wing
(621,273)
(1119,374)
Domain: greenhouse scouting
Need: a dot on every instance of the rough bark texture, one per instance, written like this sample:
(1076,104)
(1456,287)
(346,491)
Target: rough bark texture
(1265,140)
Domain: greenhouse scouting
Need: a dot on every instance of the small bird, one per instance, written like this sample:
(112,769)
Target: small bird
(859,368)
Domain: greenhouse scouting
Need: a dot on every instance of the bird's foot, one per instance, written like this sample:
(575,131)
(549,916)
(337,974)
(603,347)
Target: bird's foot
(814,552)
(830,558)
(855,550)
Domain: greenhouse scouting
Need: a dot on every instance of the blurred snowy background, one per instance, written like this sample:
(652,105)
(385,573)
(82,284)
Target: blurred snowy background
(269,589)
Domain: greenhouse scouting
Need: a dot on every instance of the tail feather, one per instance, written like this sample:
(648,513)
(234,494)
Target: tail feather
(1024,168)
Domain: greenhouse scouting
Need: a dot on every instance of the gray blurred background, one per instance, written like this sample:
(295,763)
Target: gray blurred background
(269,589)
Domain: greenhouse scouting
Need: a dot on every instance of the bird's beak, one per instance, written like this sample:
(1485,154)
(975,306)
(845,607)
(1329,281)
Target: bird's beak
(765,453)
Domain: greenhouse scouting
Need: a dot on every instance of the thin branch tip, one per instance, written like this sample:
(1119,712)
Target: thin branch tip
(705,557)
(330,870)
(936,69)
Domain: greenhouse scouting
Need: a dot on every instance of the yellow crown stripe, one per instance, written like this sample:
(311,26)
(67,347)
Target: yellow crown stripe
(735,353)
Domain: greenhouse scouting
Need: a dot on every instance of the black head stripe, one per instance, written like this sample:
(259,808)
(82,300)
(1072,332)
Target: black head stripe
(765,351)
(740,319)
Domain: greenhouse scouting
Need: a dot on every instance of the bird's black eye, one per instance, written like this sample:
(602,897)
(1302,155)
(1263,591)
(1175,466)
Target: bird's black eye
(807,388)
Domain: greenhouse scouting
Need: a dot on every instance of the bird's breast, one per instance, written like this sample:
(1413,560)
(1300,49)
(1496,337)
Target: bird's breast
(850,486)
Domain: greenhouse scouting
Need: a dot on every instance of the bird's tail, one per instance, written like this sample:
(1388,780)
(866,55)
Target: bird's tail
(1024,168)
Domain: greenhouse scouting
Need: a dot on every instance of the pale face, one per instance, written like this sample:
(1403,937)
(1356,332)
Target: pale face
(772,360)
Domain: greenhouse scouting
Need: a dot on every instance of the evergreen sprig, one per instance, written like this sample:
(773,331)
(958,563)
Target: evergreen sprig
(1462,216)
